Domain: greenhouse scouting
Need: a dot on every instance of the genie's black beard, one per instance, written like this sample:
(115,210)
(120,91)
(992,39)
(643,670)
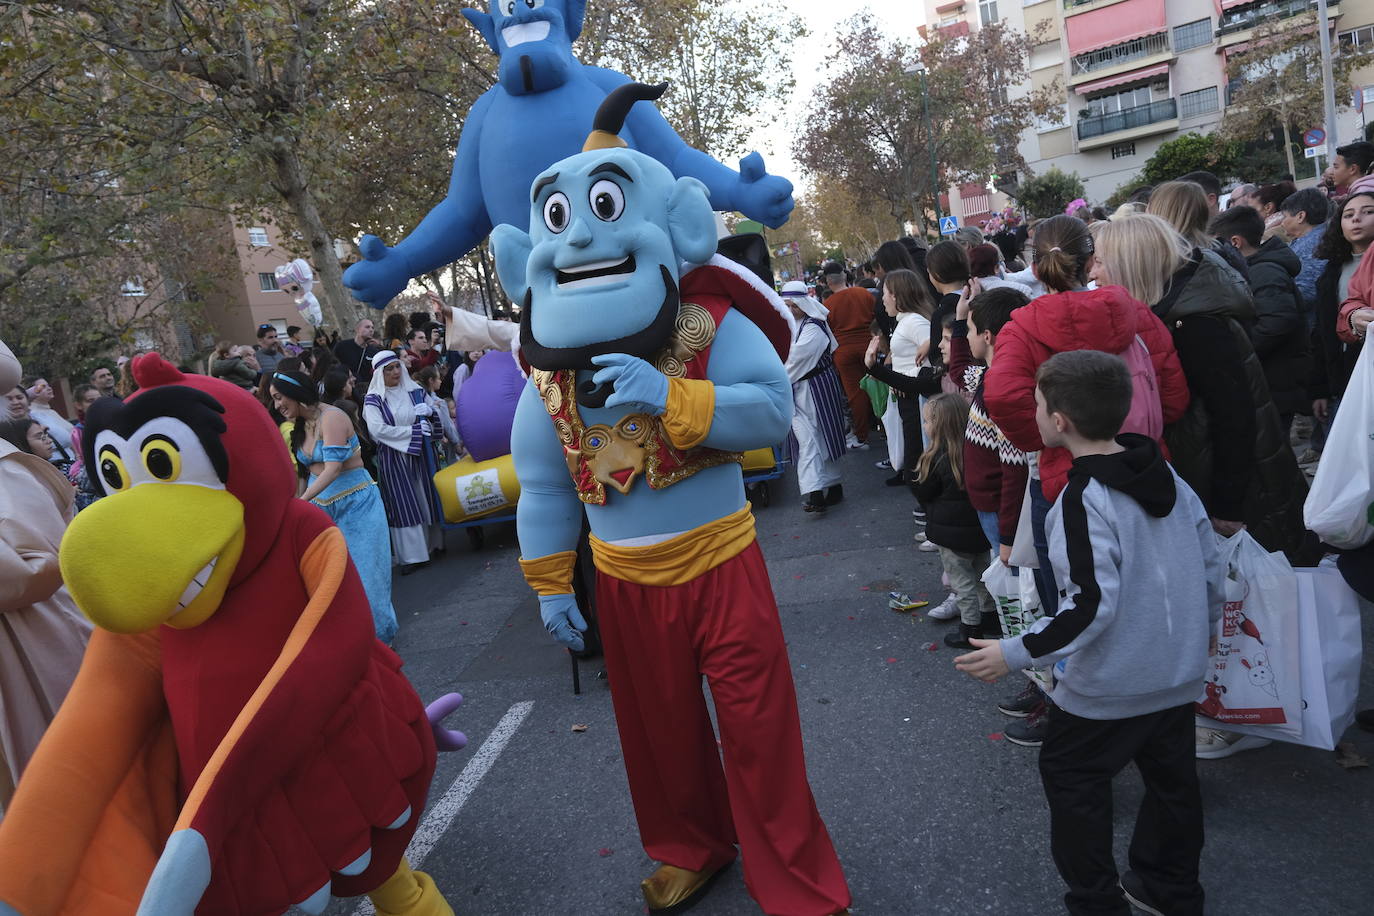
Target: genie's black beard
(644,343)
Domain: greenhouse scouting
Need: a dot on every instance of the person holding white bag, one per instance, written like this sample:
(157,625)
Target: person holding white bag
(1340,506)
(1134,549)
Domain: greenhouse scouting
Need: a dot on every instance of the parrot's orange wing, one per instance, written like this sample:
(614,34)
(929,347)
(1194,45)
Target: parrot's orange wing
(99,797)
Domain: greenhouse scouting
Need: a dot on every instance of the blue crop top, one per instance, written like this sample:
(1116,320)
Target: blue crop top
(326,453)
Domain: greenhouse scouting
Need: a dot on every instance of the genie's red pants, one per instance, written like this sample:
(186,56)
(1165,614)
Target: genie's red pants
(659,642)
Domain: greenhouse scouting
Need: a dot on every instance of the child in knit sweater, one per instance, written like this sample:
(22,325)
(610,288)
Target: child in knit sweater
(996,469)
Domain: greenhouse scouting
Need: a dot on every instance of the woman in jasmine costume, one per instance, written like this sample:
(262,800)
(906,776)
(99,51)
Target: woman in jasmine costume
(330,462)
(400,422)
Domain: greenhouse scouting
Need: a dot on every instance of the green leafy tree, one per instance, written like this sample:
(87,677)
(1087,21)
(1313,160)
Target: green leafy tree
(1191,152)
(1050,192)
(727,64)
(1279,87)
(132,133)
(867,128)
(831,220)
(250,107)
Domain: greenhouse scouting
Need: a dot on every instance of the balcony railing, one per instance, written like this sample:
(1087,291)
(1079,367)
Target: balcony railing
(1123,53)
(1139,116)
(1071,4)
(1241,18)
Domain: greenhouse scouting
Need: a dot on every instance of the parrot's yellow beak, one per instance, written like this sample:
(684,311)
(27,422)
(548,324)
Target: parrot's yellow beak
(155,553)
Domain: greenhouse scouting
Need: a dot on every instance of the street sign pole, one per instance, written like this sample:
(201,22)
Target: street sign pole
(1328,91)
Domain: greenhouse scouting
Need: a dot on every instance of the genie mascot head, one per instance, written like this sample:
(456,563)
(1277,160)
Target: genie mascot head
(533,39)
(609,229)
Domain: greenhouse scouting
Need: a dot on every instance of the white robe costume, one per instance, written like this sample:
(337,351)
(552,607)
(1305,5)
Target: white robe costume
(404,463)
(818,411)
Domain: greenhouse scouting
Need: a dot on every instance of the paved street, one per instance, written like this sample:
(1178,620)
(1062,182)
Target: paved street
(931,812)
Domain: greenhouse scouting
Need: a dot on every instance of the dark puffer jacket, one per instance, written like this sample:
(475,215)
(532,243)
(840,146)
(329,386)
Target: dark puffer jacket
(1279,334)
(1229,446)
(951,521)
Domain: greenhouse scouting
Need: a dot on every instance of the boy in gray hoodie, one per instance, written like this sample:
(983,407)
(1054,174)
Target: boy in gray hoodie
(1129,645)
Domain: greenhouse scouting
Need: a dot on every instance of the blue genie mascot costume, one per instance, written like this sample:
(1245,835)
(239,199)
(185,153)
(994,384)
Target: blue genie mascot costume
(647,381)
(539,112)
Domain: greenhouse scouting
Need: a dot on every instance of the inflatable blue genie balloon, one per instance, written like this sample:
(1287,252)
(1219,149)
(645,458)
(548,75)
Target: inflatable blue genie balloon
(539,112)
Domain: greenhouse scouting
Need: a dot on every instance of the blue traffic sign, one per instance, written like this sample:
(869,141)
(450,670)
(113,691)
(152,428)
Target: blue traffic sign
(1314,137)
(948,224)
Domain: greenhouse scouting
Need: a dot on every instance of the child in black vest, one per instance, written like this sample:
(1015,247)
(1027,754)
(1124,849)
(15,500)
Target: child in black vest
(951,523)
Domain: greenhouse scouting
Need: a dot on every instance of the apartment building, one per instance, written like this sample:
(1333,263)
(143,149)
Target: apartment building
(241,263)
(250,296)
(1135,73)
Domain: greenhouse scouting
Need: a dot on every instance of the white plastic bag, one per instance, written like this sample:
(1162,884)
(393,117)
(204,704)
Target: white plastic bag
(1331,649)
(1018,607)
(1255,677)
(892,428)
(1340,504)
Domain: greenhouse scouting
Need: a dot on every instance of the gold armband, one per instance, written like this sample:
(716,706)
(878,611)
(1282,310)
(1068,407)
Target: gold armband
(551,575)
(691,405)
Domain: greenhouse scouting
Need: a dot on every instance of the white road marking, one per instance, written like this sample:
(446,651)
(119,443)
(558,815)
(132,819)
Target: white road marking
(441,816)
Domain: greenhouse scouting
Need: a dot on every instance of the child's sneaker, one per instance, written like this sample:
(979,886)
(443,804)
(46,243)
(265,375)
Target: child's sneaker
(945,610)
(1030,731)
(1213,743)
(1023,704)
(899,601)
(928,547)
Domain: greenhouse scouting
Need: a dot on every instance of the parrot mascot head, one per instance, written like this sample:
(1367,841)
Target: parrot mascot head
(610,229)
(297,277)
(533,39)
(196,480)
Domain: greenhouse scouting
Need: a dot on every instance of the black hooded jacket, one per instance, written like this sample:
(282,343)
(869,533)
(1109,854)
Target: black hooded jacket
(1229,446)
(1279,334)
(951,521)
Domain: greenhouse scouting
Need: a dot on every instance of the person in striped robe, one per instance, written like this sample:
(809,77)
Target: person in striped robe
(818,401)
(401,423)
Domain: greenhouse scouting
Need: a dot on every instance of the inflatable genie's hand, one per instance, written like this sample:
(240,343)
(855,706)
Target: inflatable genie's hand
(538,113)
(297,277)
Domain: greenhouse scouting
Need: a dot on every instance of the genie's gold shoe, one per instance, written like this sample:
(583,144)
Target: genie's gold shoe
(673,889)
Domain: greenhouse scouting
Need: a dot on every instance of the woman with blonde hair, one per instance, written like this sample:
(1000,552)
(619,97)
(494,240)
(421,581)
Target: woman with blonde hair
(1229,446)
(1183,205)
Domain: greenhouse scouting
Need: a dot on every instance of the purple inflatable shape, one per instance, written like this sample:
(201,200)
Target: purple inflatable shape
(486,405)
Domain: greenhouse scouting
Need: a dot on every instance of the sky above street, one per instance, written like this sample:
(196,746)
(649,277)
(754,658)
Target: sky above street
(822,19)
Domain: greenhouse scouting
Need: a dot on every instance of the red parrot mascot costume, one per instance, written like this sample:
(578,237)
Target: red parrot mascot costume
(237,741)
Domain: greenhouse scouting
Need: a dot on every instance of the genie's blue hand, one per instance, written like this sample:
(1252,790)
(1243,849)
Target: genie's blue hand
(379,276)
(563,620)
(766,198)
(638,385)
(180,878)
